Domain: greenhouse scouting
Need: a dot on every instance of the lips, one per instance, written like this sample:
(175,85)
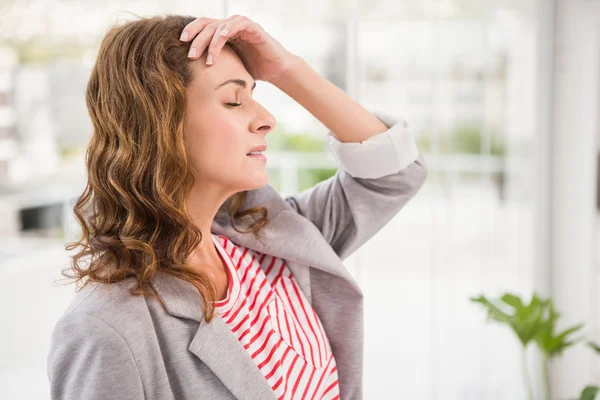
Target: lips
(257,156)
(261,147)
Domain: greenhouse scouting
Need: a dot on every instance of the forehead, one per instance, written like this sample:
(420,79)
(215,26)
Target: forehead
(227,66)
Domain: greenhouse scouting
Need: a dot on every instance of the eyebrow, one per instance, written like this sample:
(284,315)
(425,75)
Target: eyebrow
(239,82)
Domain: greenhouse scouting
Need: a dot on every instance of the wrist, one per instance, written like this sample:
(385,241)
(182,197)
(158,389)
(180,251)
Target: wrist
(292,65)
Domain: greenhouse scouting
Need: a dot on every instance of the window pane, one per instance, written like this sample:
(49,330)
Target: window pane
(462,74)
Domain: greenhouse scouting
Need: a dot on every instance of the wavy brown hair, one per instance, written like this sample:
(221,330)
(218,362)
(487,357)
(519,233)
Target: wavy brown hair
(132,212)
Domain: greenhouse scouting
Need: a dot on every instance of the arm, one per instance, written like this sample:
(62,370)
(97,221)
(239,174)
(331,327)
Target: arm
(89,360)
(376,179)
(381,169)
(346,119)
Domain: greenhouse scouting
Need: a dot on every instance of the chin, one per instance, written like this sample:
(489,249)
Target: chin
(257,183)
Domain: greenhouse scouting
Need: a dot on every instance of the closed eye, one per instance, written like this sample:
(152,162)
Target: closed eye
(234,104)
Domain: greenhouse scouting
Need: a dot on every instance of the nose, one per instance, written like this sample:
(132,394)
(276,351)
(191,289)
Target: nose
(264,123)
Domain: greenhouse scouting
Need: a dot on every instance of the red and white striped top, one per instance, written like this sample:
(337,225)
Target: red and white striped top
(274,321)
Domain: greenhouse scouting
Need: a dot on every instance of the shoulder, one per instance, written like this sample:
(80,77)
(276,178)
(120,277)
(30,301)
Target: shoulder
(89,343)
(100,303)
(99,316)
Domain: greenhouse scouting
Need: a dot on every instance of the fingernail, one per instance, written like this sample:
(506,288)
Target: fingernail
(192,52)
(209,59)
(224,32)
(184,36)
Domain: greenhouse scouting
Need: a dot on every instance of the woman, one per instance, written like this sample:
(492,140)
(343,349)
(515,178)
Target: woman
(202,281)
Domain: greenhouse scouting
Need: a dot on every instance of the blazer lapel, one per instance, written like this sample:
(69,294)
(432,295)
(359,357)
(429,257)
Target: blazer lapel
(215,344)
(287,235)
(217,347)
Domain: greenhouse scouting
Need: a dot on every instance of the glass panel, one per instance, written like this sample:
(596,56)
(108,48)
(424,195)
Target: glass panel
(46,52)
(461,73)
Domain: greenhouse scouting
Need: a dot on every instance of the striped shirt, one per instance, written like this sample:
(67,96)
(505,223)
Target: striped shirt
(274,321)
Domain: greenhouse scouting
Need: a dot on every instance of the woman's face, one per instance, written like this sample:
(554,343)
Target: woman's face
(217,135)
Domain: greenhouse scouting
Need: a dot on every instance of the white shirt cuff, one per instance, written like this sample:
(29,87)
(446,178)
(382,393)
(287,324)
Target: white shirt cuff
(384,154)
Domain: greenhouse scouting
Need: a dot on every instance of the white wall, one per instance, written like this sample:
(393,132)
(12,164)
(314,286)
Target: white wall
(574,282)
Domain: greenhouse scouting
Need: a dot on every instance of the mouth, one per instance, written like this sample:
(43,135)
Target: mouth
(257,156)
(256,152)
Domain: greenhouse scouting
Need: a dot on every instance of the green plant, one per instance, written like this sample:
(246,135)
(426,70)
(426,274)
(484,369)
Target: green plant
(590,392)
(307,178)
(526,321)
(552,344)
(466,138)
(298,142)
(534,322)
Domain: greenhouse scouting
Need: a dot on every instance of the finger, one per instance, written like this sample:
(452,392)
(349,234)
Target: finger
(191,30)
(231,29)
(222,34)
(202,40)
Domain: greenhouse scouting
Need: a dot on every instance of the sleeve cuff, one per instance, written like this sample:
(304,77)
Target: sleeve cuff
(383,154)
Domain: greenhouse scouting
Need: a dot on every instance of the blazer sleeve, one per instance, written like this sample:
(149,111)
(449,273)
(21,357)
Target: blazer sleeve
(89,360)
(376,178)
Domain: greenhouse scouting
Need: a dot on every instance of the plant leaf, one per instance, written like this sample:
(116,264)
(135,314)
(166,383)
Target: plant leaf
(494,312)
(525,320)
(589,393)
(594,346)
(512,300)
(553,344)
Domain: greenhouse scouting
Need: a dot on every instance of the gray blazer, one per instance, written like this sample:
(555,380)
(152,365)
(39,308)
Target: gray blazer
(111,345)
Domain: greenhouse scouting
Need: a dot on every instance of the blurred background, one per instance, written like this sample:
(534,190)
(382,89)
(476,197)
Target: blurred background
(503,98)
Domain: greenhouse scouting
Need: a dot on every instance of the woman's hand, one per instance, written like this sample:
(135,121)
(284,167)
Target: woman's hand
(263,56)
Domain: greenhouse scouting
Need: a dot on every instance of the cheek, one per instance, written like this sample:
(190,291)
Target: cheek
(227,134)
(215,141)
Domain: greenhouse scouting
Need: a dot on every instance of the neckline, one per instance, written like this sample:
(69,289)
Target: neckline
(233,289)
